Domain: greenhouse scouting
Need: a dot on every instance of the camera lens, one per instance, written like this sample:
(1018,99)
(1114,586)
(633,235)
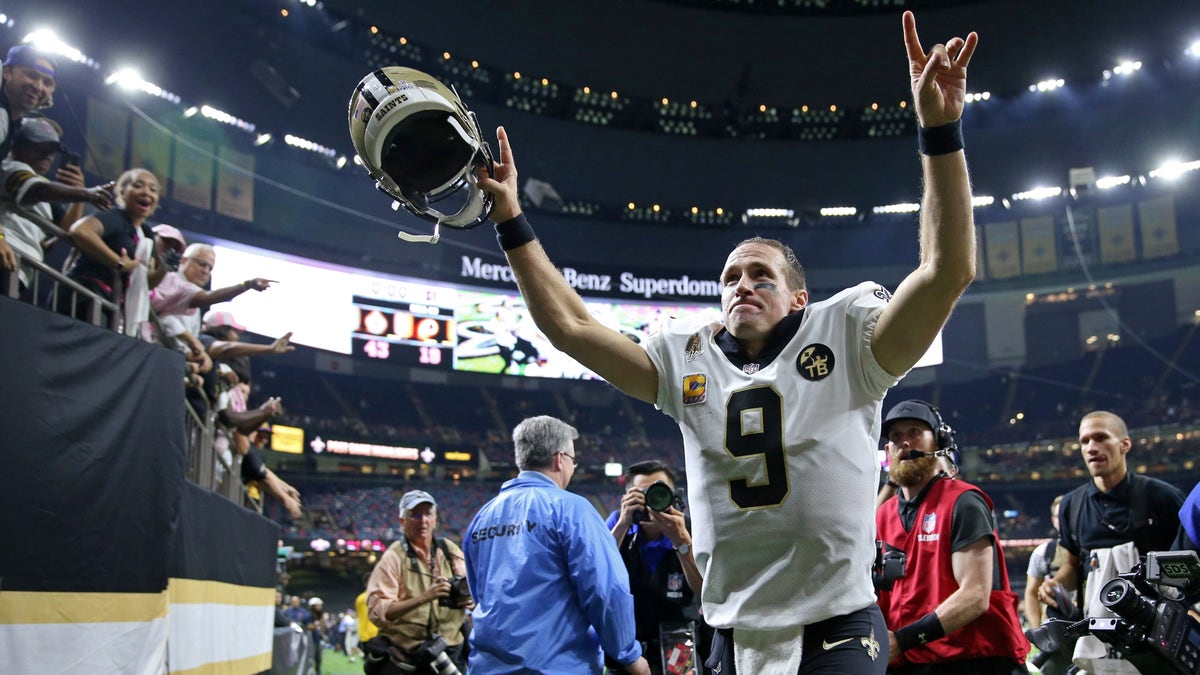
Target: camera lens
(1124,600)
(659,496)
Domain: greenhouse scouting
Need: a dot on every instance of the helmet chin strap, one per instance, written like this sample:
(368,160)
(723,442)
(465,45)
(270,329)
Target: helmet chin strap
(419,238)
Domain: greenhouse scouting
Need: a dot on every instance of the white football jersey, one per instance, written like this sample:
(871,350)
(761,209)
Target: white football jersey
(781,462)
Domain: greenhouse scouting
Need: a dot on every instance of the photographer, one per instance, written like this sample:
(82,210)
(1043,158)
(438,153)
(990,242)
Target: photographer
(416,591)
(656,548)
(948,606)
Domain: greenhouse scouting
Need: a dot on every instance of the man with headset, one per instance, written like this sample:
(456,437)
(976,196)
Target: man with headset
(947,602)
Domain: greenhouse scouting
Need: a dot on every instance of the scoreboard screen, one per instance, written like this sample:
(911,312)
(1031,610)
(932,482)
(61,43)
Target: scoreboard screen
(406,333)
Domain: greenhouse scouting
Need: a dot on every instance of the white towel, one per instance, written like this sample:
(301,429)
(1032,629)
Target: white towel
(137,296)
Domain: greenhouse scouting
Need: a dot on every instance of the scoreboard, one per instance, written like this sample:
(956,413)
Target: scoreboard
(407,333)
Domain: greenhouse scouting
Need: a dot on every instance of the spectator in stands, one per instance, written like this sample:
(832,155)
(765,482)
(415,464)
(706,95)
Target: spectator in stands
(416,591)
(656,548)
(567,602)
(28,85)
(952,610)
(36,142)
(1109,521)
(1044,562)
(224,340)
(121,242)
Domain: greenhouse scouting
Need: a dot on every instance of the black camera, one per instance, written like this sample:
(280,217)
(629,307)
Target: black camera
(660,497)
(889,566)
(171,259)
(1153,630)
(459,591)
(70,158)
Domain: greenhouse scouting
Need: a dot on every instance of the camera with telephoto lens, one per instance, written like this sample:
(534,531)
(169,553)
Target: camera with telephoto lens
(660,497)
(1152,629)
(459,591)
(429,656)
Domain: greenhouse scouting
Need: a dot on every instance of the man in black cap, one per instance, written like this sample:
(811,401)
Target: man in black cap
(28,85)
(950,609)
(26,190)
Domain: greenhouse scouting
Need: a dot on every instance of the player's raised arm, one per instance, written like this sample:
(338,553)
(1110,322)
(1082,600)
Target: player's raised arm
(923,301)
(556,308)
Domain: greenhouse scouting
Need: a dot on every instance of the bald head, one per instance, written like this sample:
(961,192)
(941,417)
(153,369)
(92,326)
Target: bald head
(1114,423)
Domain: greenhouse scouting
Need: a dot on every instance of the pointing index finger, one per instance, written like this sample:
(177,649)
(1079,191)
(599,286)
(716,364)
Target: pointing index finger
(506,156)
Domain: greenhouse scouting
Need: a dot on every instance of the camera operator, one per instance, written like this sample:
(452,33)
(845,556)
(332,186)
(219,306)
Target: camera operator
(656,547)
(1098,520)
(950,608)
(417,590)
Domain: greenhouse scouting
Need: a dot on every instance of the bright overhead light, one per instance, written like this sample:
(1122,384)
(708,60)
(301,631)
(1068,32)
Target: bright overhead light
(1108,182)
(1048,85)
(982,200)
(130,80)
(770,213)
(1039,193)
(979,96)
(47,41)
(839,211)
(897,208)
(1124,69)
(305,144)
(1194,50)
(225,118)
(1173,169)
(262,139)
(341,161)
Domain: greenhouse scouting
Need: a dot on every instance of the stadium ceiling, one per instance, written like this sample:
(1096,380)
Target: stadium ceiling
(820,7)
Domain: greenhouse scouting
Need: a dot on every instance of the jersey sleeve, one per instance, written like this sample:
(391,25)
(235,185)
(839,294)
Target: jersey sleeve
(972,521)
(864,305)
(18,178)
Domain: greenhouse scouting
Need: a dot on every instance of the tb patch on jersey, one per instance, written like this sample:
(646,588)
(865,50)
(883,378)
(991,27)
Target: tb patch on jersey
(815,362)
(695,388)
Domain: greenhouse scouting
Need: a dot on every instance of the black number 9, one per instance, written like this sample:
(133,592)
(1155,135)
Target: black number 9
(766,406)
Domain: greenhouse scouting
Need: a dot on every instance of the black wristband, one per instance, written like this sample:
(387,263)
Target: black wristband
(925,629)
(941,140)
(514,233)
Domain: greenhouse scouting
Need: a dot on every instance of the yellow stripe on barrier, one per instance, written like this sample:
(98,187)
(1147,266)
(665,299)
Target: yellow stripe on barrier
(250,664)
(30,607)
(197,592)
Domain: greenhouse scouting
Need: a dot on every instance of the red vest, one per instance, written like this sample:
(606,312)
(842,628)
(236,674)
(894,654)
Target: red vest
(929,579)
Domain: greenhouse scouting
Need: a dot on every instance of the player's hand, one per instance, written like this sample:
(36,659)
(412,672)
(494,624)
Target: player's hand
(504,186)
(893,648)
(939,78)
(259,285)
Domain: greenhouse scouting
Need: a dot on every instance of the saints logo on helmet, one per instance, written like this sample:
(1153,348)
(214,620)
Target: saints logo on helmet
(421,145)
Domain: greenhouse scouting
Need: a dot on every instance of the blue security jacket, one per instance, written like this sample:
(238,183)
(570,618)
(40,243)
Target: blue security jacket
(550,589)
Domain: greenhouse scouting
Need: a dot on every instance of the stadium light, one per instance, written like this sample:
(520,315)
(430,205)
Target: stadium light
(1038,193)
(311,146)
(1048,85)
(907,207)
(770,213)
(225,118)
(130,80)
(1173,169)
(46,40)
(979,96)
(1109,182)
(1194,50)
(262,139)
(1124,69)
(982,200)
(839,211)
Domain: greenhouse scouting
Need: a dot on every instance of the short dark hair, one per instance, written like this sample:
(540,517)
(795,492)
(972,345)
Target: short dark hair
(648,467)
(793,271)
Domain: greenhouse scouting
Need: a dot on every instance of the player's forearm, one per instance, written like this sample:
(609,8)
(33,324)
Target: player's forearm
(962,607)
(691,572)
(947,220)
(555,307)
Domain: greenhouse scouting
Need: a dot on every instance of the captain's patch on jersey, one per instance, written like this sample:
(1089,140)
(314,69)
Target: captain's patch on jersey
(693,348)
(695,388)
(883,293)
(815,362)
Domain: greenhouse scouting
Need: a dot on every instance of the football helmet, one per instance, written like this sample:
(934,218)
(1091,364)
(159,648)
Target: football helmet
(419,142)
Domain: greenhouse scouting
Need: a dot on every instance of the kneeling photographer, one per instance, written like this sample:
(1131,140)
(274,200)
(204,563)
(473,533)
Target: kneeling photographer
(418,597)
(652,536)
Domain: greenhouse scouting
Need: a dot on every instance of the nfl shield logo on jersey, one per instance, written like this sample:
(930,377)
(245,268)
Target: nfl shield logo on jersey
(694,388)
(929,523)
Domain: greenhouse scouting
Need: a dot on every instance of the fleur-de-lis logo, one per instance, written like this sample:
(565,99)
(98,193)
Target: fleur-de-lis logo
(871,645)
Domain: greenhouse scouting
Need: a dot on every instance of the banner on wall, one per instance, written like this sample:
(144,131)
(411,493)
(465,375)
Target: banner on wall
(235,184)
(150,149)
(108,134)
(1157,218)
(192,174)
(1039,253)
(1116,234)
(1003,250)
